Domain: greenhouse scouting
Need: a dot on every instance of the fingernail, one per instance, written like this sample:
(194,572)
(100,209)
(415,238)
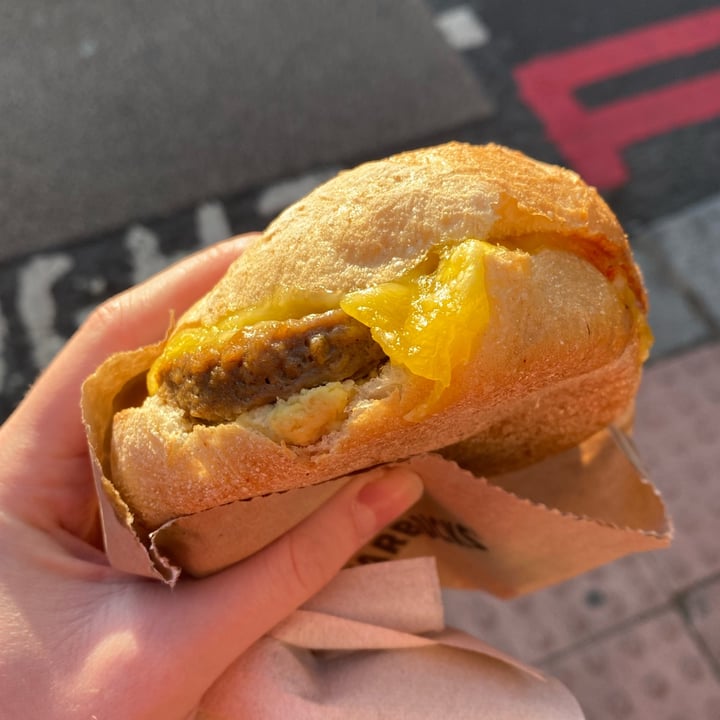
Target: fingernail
(384,498)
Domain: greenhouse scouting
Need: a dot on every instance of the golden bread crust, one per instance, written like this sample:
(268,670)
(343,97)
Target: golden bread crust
(559,360)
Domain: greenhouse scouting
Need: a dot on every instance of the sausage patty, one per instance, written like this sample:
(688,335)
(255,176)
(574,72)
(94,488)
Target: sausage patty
(270,360)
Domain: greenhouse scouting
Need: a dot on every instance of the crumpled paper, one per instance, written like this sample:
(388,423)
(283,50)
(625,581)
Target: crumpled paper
(373,644)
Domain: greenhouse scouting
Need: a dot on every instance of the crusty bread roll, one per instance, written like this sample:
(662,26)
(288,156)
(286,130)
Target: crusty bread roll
(478,297)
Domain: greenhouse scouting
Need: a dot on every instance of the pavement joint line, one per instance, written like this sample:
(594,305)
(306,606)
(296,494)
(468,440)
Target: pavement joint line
(694,633)
(676,603)
(699,584)
(680,600)
(673,605)
(607,632)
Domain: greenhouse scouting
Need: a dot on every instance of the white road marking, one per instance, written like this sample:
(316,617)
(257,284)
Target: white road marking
(211,223)
(87,48)
(462,28)
(278,196)
(147,258)
(36,305)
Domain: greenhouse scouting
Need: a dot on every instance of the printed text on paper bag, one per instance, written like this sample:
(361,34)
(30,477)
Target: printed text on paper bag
(395,537)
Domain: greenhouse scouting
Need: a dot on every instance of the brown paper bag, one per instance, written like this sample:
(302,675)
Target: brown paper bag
(373,644)
(518,532)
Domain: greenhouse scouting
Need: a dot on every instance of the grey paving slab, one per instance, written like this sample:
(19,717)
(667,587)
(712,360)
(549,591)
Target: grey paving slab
(690,241)
(678,434)
(114,112)
(546,622)
(651,669)
(675,323)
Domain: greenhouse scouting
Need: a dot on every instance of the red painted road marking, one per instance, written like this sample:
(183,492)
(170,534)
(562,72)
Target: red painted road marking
(592,140)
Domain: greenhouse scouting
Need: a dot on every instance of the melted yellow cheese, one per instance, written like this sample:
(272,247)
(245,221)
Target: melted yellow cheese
(429,322)
(647,339)
(645,333)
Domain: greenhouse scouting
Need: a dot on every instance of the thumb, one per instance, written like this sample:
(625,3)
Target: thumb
(301,562)
(224,614)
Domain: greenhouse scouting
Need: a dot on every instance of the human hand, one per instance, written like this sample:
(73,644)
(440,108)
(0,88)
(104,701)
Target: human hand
(79,639)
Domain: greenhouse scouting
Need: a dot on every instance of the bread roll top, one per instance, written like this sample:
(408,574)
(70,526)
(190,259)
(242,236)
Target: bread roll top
(375,222)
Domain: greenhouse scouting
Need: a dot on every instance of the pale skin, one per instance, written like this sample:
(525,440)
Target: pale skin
(79,639)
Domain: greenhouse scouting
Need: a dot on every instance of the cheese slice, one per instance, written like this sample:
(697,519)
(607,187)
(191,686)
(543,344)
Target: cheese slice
(430,322)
